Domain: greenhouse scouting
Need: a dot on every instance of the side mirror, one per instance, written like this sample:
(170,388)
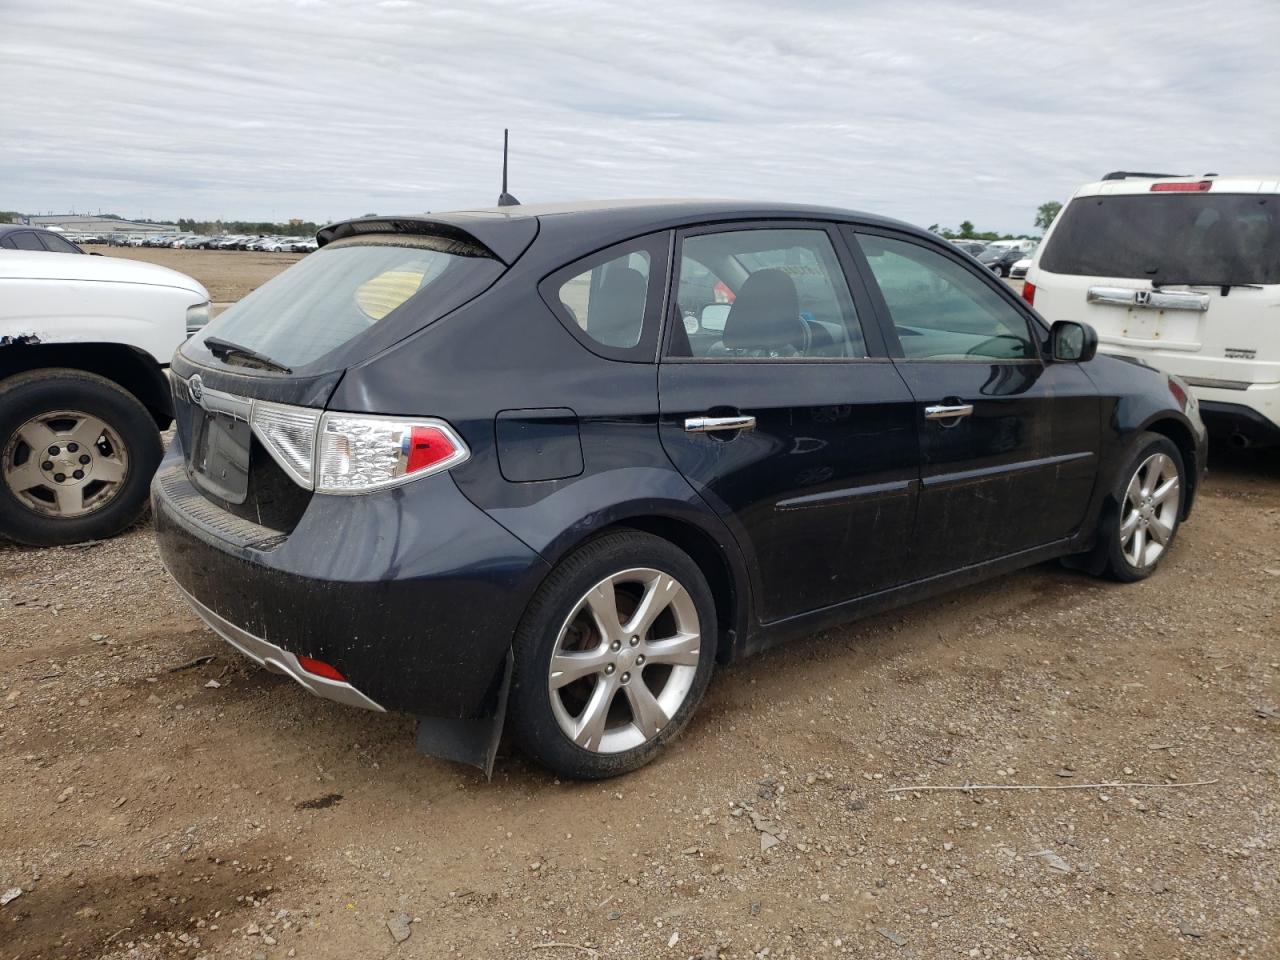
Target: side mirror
(1072,342)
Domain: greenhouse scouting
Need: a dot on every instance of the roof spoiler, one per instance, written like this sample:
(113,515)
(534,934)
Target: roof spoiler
(1130,175)
(504,237)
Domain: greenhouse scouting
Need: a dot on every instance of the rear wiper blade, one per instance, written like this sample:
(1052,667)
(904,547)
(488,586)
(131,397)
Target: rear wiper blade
(224,349)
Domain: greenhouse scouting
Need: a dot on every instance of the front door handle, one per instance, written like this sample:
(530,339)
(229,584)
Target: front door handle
(711,424)
(945,412)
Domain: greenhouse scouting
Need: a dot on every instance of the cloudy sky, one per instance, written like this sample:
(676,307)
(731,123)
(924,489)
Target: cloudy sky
(930,110)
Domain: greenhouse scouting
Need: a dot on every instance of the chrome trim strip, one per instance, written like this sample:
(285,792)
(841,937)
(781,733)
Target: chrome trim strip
(279,660)
(1149,299)
(983,473)
(944,412)
(832,497)
(1217,384)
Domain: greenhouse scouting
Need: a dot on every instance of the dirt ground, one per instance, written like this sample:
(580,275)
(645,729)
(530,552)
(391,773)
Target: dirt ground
(161,797)
(228,275)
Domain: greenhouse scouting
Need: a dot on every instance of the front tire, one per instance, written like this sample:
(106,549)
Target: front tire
(1149,493)
(77,453)
(612,656)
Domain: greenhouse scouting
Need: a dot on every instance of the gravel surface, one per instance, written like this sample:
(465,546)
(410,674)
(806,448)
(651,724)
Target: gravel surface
(161,797)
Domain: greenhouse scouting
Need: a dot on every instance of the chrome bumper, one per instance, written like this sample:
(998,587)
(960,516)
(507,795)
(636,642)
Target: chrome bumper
(280,661)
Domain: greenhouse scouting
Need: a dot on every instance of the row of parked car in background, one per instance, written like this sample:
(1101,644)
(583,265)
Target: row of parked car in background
(1009,258)
(193,241)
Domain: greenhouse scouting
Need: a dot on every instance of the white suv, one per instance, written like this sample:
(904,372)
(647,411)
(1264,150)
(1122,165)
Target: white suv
(1183,273)
(84,346)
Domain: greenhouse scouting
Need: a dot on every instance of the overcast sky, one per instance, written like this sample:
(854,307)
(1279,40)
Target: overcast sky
(933,112)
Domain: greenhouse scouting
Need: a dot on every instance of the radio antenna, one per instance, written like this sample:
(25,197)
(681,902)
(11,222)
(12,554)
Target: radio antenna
(505,199)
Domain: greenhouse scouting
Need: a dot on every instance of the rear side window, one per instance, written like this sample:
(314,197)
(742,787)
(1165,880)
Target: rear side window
(607,302)
(349,287)
(27,241)
(611,301)
(765,294)
(1169,238)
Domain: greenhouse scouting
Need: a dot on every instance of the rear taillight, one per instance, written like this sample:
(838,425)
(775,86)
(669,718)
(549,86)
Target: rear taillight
(351,453)
(357,454)
(289,434)
(1199,186)
(1029,292)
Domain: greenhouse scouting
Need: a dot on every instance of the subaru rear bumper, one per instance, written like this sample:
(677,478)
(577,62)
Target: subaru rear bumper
(411,594)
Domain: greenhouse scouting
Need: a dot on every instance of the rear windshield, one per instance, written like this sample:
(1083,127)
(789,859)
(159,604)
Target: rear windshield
(1170,238)
(348,287)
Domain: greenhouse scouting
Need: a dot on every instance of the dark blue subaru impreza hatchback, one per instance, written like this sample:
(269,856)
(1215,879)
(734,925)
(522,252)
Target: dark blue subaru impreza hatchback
(547,466)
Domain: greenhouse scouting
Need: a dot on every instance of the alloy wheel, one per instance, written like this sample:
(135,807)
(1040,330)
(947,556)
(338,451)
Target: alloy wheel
(624,661)
(1151,504)
(65,464)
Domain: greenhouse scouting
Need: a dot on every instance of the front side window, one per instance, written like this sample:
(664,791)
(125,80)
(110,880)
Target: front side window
(764,294)
(940,309)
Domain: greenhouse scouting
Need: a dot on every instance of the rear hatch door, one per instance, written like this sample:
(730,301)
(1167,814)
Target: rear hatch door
(280,352)
(1189,280)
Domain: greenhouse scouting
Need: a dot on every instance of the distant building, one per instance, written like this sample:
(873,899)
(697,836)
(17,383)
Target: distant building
(84,223)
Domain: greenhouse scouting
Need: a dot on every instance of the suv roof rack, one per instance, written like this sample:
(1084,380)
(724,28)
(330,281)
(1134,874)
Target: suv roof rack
(1126,174)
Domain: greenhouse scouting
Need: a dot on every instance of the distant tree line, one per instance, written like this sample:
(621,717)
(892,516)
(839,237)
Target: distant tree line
(1045,215)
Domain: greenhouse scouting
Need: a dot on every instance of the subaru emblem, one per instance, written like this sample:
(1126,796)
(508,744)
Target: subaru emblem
(195,389)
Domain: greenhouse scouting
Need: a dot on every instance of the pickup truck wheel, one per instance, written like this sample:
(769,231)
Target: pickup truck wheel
(77,453)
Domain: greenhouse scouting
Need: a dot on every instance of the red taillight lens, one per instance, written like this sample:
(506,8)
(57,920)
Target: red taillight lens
(427,447)
(321,669)
(1029,292)
(1198,187)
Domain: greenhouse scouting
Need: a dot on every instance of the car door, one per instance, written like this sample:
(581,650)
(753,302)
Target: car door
(780,406)
(1008,442)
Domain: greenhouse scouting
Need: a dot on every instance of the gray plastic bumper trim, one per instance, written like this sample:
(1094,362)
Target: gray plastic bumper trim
(280,661)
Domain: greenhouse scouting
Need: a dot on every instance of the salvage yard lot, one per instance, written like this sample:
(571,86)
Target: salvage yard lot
(162,797)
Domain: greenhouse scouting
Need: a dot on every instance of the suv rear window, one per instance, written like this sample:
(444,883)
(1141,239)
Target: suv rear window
(1169,238)
(348,287)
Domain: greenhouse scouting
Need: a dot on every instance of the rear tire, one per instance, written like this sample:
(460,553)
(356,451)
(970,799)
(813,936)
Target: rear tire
(591,701)
(1143,517)
(98,430)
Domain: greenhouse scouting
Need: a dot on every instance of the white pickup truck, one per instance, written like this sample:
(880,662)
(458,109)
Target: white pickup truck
(84,345)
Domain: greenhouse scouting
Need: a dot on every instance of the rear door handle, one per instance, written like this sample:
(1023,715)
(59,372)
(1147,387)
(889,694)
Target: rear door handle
(712,424)
(943,412)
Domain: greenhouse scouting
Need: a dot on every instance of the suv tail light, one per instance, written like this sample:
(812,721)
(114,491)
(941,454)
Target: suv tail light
(1029,292)
(1199,186)
(356,454)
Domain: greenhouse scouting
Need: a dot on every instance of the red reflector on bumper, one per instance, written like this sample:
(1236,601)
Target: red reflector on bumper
(320,669)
